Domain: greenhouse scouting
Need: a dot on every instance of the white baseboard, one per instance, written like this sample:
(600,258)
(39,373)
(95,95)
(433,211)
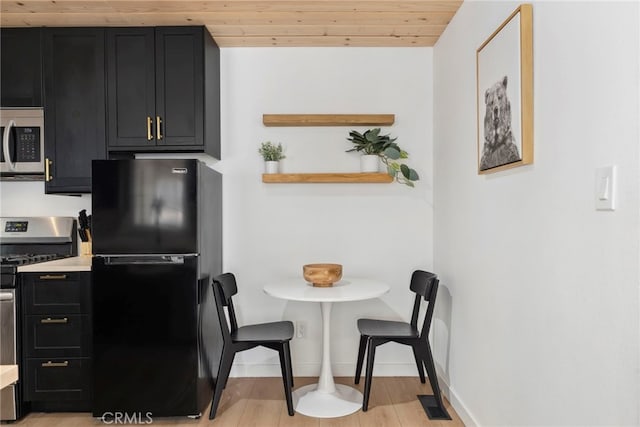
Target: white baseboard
(461,409)
(313,370)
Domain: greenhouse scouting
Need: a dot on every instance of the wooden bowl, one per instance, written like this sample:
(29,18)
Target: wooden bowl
(322,275)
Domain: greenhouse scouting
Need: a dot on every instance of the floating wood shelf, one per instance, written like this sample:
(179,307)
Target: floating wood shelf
(289,178)
(328,119)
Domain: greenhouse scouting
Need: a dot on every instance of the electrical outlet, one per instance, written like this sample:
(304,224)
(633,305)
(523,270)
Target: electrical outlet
(300,328)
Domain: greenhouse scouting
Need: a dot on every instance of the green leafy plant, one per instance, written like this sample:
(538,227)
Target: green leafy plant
(271,152)
(383,146)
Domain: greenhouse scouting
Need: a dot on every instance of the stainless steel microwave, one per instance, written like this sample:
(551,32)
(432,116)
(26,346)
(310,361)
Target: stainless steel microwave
(22,155)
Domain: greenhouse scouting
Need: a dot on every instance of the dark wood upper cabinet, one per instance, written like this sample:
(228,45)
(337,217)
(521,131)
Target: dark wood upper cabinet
(21,67)
(74,110)
(131,86)
(163,90)
(179,87)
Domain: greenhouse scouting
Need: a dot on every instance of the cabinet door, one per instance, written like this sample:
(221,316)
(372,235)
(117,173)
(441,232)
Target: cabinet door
(57,335)
(53,293)
(131,87)
(58,379)
(74,106)
(179,86)
(21,67)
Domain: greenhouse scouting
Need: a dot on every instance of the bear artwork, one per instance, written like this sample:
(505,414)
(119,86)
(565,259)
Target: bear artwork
(499,148)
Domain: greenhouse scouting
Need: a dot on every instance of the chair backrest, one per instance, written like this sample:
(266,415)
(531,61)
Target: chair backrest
(425,286)
(224,287)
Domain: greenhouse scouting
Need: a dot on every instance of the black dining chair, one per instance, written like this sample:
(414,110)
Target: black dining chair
(274,335)
(377,332)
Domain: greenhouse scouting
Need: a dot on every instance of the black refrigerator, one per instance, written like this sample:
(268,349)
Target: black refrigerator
(157,242)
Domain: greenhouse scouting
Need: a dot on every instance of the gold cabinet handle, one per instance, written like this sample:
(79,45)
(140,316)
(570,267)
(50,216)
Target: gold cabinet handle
(49,320)
(47,169)
(53,277)
(158,127)
(149,126)
(51,364)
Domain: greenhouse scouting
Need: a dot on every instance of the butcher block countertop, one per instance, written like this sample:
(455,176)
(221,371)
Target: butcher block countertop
(77,263)
(8,375)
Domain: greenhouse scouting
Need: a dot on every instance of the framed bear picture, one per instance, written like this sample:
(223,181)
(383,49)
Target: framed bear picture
(504,72)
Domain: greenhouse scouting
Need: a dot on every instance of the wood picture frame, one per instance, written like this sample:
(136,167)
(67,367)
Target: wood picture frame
(504,79)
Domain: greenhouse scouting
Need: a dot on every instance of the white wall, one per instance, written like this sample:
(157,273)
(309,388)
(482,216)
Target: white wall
(539,310)
(271,230)
(28,199)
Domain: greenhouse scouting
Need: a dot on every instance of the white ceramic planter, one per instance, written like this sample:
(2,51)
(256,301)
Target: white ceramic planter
(369,163)
(271,167)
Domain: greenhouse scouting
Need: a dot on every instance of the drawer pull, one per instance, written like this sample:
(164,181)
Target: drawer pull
(51,364)
(53,277)
(50,320)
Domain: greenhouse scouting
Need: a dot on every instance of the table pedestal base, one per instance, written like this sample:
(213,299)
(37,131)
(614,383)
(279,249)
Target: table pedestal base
(309,401)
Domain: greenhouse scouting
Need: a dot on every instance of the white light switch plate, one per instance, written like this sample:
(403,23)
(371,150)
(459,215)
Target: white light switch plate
(605,190)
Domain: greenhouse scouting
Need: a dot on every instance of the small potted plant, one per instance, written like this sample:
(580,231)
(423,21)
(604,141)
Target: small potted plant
(378,148)
(272,154)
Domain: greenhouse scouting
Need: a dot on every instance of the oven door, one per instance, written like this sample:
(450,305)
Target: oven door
(22,136)
(8,398)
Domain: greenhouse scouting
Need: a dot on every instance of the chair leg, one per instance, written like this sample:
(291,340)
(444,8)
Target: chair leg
(221,381)
(371,354)
(361,349)
(433,379)
(226,376)
(283,365)
(418,363)
(287,376)
(290,364)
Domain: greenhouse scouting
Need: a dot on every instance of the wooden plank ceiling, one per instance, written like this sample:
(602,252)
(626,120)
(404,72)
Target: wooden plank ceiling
(236,23)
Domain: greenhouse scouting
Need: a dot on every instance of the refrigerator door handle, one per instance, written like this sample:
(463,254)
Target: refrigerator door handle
(145,259)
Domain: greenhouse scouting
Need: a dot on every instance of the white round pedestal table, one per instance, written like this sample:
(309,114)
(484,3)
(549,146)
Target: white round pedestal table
(326,399)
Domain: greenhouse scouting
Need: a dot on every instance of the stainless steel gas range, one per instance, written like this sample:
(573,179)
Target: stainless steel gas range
(23,241)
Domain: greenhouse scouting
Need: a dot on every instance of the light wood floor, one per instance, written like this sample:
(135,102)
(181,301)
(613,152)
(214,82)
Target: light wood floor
(260,402)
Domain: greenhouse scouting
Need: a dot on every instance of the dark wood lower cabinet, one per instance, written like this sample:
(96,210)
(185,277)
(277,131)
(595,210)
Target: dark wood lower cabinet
(57,336)
(59,380)
(57,341)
